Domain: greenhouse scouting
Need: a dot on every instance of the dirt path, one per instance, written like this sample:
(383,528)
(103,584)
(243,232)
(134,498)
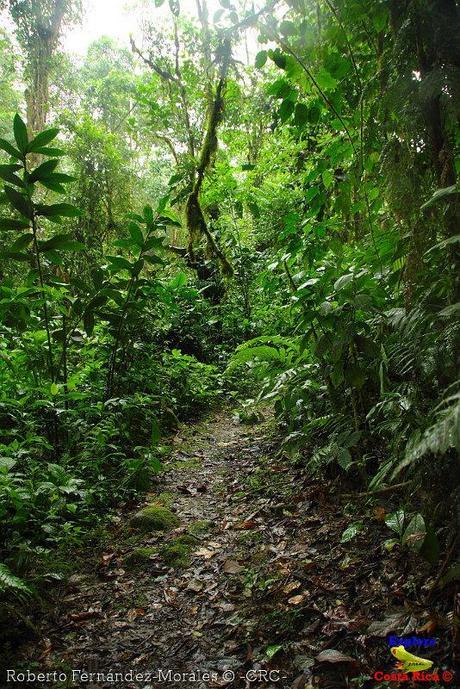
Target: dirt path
(250,586)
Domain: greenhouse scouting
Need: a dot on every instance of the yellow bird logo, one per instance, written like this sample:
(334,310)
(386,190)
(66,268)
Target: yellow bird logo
(408,662)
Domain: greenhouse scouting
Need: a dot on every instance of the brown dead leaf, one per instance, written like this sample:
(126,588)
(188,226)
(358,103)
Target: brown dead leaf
(330,655)
(391,623)
(232,567)
(134,613)
(195,585)
(85,615)
(428,628)
(296,600)
(47,648)
(204,552)
(106,559)
(248,524)
(380,514)
(292,586)
(170,595)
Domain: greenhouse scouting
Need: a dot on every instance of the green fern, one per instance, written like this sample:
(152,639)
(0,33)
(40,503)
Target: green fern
(442,436)
(10,583)
(274,349)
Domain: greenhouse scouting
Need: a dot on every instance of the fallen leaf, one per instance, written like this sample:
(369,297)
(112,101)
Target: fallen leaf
(391,623)
(428,627)
(106,559)
(296,600)
(271,651)
(330,655)
(248,524)
(292,586)
(195,585)
(170,595)
(204,552)
(134,613)
(232,567)
(380,514)
(47,648)
(85,615)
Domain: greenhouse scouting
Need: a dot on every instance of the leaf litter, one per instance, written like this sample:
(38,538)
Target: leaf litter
(270,584)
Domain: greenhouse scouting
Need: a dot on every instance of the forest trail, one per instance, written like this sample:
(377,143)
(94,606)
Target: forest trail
(254,579)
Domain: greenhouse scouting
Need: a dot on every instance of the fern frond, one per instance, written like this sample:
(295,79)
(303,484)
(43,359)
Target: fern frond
(9,582)
(438,439)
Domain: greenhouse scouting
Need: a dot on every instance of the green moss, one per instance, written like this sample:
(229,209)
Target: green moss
(165,499)
(200,526)
(176,553)
(154,518)
(139,557)
(186,464)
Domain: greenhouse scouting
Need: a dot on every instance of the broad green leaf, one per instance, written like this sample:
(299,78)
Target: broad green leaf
(136,234)
(13,224)
(300,114)
(19,202)
(16,256)
(261,59)
(59,210)
(54,257)
(286,110)
(43,171)
(56,152)
(430,549)
(390,543)
(271,651)
(119,263)
(54,186)
(98,300)
(153,243)
(7,173)
(441,194)
(10,149)
(156,433)
(355,376)
(153,260)
(42,139)
(288,28)
(415,533)
(343,282)
(351,532)
(148,214)
(344,458)
(328,178)
(170,217)
(314,112)
(395,521)
(20,134)
(62,178)
(325,80)
(178,281)
(61,241)
(22,242)
(278,58)
(88,322)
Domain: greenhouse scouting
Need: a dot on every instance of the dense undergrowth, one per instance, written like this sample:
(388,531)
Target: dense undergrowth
(284,232)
